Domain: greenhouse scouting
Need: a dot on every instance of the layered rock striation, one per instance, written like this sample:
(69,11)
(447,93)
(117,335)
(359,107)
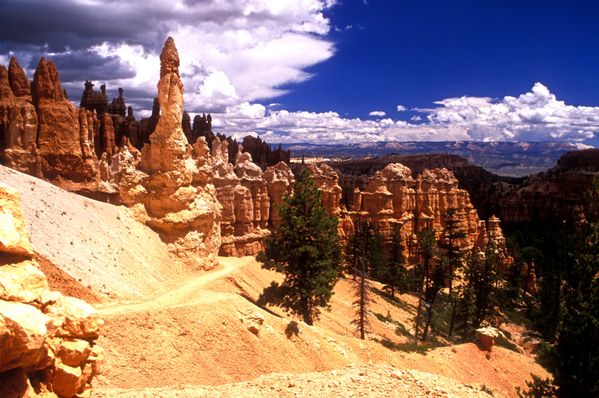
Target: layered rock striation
(392,198)
(47,341)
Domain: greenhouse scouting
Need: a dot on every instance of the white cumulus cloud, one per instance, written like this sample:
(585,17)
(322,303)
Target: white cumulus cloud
(378,113)
(536,115)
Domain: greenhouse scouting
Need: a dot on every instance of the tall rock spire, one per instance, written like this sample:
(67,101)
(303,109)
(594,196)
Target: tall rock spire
(173,181)
(168,144)
(19,83)
(169,58)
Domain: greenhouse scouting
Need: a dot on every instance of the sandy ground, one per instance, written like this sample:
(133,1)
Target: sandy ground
(200,334)
(351,381)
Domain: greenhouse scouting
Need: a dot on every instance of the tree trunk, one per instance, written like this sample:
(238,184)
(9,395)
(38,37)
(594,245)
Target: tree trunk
(306,313)
(418,310)
(452,320)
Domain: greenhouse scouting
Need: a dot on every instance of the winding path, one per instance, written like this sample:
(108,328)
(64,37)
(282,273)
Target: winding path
(191,291)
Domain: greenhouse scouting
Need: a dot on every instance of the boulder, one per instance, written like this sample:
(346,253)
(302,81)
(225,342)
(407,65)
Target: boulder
(44,336)
(72,317)
(485,337)
(22,335)
(67,380)
(22,282)
(74,352)
(13,235)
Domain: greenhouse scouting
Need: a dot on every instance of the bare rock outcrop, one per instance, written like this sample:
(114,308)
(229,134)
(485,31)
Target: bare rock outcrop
(485,337)
(327,181)
(393,198)
(18,124)
(279,181)
(19,83)
(59,138)
(42,133)
(170,185)
(47,341)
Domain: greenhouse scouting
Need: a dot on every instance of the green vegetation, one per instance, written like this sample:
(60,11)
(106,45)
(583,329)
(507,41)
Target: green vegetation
(305,248)
(565,309)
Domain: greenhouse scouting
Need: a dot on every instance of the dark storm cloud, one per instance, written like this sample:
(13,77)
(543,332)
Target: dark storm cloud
(86,65)
(63,24)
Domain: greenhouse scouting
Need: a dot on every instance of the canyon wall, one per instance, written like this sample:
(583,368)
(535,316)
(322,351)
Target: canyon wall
(47,341)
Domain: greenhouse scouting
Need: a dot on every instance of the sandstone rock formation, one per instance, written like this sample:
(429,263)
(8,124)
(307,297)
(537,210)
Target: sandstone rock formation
(170,185)
(60,142)
(327,181)
(47,341)
(279,181)
(18,123)
(19,83)
(554,196)
(215,195)
(43,134)
(393,198)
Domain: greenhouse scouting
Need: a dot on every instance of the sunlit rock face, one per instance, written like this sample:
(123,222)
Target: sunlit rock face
(47,340)
(170,184)
(393,200)
(43,134)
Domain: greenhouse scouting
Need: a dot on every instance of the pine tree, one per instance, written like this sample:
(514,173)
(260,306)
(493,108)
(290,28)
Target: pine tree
(396,272)
(455,257)
(305,248)
(481,288)
(577,348)
(426,243)
(363,298)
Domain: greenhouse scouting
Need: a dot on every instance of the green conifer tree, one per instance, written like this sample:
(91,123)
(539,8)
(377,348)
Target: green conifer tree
(305,248)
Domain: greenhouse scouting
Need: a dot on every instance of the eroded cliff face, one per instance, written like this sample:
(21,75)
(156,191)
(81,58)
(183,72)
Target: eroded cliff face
(47,341)
(393,198)
(556,195)
(170,184)
(249,198)
(43,134)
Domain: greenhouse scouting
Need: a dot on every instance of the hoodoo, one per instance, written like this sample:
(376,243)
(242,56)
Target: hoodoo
(172,189)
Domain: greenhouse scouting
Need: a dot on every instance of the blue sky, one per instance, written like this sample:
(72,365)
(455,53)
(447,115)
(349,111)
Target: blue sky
(335,70)
(417,52)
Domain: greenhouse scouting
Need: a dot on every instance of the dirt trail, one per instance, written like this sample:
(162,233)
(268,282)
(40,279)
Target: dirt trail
(191,292)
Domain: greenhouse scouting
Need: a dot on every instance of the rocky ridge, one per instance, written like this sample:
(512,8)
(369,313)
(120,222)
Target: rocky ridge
(43,134)
(47,341)
(392,199)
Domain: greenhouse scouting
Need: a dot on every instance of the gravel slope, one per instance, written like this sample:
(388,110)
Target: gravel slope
(100,245)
